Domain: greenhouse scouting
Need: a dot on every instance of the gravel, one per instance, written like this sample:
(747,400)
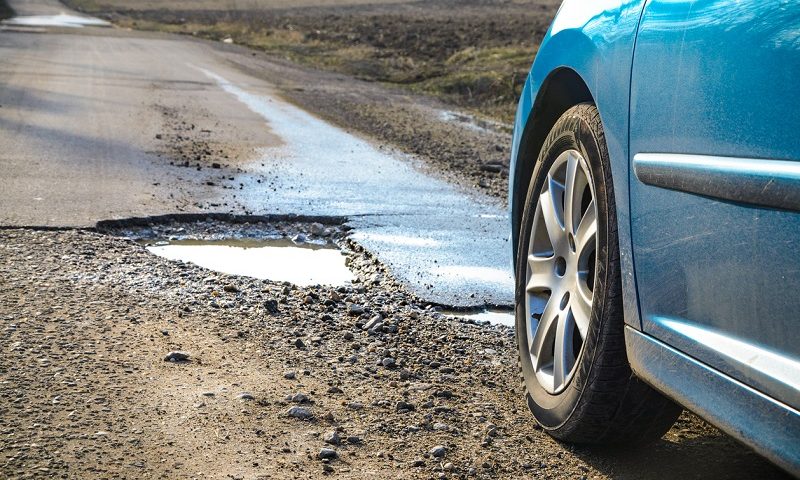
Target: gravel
(84,392)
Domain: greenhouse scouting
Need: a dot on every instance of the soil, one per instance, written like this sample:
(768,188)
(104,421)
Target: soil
(275,375)
(474,54)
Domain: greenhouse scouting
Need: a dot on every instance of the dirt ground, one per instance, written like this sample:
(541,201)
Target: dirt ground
(276,375)
(472,54)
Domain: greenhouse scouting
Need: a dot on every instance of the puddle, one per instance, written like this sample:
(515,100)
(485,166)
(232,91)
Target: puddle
(495,317)
(278,260)
(62,20)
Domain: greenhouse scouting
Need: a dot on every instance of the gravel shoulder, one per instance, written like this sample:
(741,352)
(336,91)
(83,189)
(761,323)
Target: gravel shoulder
(87,320)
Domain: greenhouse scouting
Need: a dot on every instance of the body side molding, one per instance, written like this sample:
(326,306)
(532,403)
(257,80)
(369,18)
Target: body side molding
(768,183)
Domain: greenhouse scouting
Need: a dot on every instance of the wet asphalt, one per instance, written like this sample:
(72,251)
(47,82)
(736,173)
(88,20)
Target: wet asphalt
(79,135)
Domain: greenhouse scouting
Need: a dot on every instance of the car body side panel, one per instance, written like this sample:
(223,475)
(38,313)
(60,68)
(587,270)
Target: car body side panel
(715,112)
(596,40)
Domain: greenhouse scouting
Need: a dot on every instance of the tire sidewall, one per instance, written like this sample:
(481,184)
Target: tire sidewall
(572,131)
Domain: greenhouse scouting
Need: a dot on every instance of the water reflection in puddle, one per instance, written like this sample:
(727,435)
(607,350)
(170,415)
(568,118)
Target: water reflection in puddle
(495,317)
(277,260)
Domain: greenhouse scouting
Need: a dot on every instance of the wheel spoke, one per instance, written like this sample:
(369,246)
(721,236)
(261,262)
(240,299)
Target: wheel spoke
(581,308)
(572,201)
(587,230)
(543,275)
(551,217)
(539,344)
(563,356)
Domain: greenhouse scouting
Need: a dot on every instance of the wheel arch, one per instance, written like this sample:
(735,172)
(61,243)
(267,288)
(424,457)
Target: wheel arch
(561,90)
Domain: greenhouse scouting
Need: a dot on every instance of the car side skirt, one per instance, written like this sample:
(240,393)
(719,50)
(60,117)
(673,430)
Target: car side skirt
(768,426)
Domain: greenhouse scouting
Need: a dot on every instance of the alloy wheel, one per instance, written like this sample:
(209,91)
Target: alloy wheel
(561,271)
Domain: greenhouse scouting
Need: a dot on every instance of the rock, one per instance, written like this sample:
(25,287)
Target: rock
(448,467)
(177,356)
(348,335)
(404,407)
(299,239)
(355,406)
(216,165)
(290,375)
(230,288)
(245,396)
(299,344)
(328,453)
(271,306)
(355,309)
(332,437)
(438,451)
(354,440)
(299,397)
(492,167)
(208,394)
(388,362)
(317,228)
(373,322)
(300,412)
(418,462)
(334,390)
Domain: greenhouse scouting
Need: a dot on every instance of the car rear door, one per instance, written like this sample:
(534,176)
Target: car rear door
(715,185)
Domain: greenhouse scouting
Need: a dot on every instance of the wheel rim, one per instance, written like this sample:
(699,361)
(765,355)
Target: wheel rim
(561,271)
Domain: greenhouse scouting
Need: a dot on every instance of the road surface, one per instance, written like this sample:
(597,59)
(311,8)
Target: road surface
(91,119)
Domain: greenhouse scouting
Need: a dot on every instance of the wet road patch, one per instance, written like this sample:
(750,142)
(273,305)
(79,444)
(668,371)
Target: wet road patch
(489,316)
(281,260)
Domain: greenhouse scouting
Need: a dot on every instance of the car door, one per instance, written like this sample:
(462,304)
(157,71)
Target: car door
(715,185)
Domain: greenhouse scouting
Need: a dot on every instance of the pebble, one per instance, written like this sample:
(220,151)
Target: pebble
(355,309)
(245,396)
(177,356)
(299,412)
(332,437)
(388,362)
(299,398)
(290,375)
(404,407)
(438,451)
(328,453)
(299,344)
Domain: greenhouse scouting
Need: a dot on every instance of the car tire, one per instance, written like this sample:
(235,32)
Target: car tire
(568,289)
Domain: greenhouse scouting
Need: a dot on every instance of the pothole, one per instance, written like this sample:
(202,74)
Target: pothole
(278,260)
(303,253)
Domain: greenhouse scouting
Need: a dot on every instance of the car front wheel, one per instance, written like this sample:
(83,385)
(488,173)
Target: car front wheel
(569,317)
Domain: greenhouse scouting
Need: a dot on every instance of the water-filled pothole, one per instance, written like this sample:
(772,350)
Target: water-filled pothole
(274,259)
(492,316)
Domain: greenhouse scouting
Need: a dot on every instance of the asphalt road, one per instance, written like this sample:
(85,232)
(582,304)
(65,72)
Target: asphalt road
(91,116)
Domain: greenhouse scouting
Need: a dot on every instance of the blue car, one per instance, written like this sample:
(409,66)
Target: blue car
(655,206)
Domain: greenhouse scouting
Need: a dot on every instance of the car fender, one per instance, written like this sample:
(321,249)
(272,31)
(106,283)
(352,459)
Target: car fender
(594,42)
